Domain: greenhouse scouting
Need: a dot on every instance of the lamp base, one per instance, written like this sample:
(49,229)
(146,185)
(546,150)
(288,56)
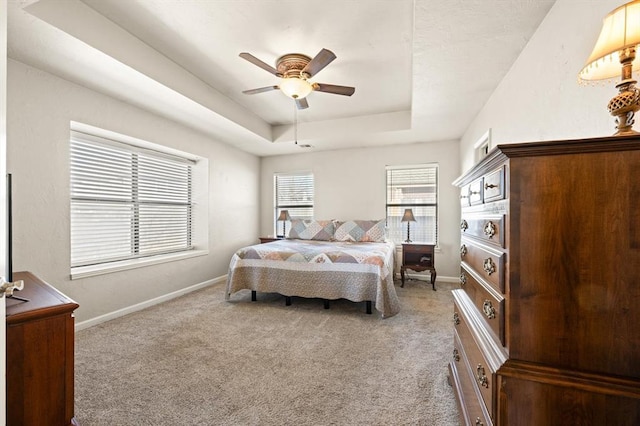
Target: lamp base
(626,133)
(408,240)
(623,107)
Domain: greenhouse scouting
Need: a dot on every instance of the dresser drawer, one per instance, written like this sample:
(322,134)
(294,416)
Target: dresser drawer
(464,196)
(489,228)
(488,302)
(494,185)
(475,192)
(418,248)
(488,264)
(481,372)
(473,409)
(471,194)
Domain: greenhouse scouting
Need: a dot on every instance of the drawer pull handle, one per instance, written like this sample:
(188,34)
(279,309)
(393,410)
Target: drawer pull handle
(462,197)
(481,377)
(490,186)
(464,225)
(463,279)
(463,250)
(489,229)
(488,266)
(488,309)
(456,318)
(479,422)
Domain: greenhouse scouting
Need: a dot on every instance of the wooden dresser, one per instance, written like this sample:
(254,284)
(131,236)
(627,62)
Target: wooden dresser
(40,346)
(547,314)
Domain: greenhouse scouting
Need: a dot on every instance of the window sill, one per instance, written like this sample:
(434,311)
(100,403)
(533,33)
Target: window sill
(90,271)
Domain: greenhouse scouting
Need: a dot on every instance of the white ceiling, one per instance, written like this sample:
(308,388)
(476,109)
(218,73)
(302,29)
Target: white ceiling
(422,68)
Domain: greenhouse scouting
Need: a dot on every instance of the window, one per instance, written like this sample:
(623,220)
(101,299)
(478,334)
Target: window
(127,201)
(416,188)
(294,193)
(482,146)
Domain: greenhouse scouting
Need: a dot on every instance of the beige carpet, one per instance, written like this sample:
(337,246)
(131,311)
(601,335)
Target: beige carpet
(199,360)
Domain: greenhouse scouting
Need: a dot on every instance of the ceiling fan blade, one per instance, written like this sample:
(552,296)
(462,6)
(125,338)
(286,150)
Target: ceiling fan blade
(260,90)
(302,103)
(321,60)
(255,61)
(332,88)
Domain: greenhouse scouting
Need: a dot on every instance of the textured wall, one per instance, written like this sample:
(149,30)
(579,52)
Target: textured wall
(40,109)
(540,98)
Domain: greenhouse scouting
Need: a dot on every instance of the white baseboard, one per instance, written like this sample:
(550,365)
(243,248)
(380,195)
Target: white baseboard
(146,304)
(447,279)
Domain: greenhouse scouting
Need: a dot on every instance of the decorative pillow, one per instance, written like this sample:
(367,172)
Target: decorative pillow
(312,229)
(372,231)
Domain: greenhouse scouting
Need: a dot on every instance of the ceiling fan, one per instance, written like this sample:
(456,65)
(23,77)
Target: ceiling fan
(295,70)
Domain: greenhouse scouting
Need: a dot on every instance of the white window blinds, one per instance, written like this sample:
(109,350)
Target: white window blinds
(294,193)
(416,188)
(127,202)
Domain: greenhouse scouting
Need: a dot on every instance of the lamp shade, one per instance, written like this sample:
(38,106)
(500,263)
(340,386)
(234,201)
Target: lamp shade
(408,216)
(620,30)
(296,88)
(284,215)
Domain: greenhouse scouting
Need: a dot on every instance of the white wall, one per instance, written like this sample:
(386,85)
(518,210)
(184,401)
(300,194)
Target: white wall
(40,107)
(540,98)
(350,184)
(3,134)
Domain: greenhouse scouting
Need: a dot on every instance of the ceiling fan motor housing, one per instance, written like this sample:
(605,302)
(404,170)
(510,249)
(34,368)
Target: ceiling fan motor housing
(292,64)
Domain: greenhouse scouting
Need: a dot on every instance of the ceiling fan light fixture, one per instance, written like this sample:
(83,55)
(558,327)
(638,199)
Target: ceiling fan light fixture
(295,87)
(295,70)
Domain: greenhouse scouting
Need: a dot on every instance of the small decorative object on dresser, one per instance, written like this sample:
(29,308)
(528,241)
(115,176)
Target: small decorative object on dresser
(418,257)
(544,318)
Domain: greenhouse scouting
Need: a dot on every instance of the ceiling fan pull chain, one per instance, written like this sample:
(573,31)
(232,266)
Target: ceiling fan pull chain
(295,123)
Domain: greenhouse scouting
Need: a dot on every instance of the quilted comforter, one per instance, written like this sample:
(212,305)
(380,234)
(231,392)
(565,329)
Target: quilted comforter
(323,269)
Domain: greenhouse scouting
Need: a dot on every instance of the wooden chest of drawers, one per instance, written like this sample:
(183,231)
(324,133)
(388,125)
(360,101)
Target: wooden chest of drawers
(549,297)
(40,355)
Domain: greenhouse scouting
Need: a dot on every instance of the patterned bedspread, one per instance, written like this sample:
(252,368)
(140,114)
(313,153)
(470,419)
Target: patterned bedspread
(323,269)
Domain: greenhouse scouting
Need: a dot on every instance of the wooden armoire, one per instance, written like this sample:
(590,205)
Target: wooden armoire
(547,316)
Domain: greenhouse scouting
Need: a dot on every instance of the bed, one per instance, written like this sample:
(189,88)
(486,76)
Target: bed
(321,259)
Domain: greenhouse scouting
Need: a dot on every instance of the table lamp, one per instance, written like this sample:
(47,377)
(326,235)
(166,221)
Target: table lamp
(408,217)
(615,55)
(284,217)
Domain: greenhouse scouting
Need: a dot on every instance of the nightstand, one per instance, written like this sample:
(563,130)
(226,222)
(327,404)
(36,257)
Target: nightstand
(418,257)
(269,239)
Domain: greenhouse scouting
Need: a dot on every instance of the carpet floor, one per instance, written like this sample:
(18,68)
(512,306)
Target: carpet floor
(199,360)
